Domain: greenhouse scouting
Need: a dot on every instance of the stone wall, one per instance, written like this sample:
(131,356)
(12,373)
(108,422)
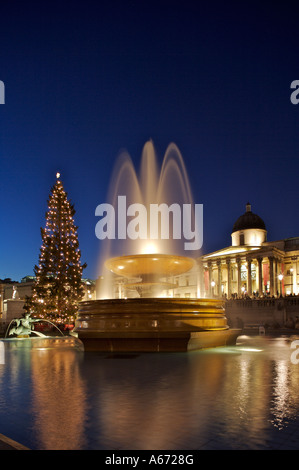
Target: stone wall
(282,311)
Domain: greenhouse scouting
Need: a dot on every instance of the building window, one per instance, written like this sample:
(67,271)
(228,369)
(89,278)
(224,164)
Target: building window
(241,238)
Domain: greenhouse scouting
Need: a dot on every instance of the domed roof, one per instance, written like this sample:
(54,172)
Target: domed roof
(248,220)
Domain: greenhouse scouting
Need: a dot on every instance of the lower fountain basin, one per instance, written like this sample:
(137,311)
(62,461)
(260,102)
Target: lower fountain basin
(153,324)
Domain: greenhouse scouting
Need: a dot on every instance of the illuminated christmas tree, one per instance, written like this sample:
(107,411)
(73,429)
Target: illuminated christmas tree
(58,287)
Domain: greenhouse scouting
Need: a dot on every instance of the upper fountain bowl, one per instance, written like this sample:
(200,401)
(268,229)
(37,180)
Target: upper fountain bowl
(141,265)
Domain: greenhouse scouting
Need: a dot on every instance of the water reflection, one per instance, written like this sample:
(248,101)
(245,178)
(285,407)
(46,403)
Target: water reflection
(58,400)
(238,397)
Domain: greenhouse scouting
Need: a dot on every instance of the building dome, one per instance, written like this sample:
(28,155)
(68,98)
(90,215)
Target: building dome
(248,220)
(249,229)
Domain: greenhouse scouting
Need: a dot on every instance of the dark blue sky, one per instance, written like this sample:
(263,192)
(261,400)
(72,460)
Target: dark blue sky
(84,80)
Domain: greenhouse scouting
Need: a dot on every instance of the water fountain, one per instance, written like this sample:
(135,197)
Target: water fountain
(37,333)
(144,319)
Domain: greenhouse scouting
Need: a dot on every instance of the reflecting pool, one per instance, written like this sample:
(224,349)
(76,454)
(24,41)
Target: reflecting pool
(240,397)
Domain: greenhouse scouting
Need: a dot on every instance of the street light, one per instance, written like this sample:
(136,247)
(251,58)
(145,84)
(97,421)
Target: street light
(213,285)
(280,277)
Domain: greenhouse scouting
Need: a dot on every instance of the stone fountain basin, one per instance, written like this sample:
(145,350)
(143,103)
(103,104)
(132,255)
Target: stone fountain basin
(149,264)
(152,324)
(155,314)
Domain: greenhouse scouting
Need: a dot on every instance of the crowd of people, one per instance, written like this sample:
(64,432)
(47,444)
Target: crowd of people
(257,296)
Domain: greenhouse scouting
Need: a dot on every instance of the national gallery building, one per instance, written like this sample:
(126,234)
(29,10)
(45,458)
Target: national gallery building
(251,266)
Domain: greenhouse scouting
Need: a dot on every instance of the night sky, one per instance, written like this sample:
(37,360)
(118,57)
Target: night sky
(84,80)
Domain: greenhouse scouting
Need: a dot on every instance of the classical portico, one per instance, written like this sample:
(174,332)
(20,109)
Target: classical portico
(251,265)
(239,273)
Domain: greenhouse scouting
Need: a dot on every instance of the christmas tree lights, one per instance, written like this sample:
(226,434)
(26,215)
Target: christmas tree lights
(58,287)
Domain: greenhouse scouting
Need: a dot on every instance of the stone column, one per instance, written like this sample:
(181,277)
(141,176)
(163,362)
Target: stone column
(276,282)
(271,275)
(219,277)
(200,279)
(260,270)
(249,284)
(239,276)
(294,266)
(210,278)
(228,278)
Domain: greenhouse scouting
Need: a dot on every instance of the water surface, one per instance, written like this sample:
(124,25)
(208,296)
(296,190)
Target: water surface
(240,397)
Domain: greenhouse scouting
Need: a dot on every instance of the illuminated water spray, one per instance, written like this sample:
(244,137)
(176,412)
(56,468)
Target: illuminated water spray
(149,213)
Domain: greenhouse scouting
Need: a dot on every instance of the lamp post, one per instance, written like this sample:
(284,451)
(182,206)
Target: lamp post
(280,277)
(213,285)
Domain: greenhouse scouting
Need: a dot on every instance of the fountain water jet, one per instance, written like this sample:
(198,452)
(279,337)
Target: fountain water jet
(149,322)
(169,185)
(24,333)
